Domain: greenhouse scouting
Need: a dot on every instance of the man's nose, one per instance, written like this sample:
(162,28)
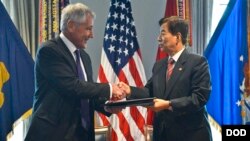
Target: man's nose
(91,35)
(159,38)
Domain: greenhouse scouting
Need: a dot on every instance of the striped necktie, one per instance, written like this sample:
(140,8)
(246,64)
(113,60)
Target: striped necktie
(170,68)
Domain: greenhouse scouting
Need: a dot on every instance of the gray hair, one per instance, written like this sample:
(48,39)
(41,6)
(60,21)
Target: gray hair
(76,12)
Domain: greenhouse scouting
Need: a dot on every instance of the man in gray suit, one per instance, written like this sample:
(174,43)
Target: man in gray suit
(65,94)
(181,85)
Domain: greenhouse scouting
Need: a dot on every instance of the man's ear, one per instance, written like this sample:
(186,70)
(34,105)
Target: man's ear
(71,25)
(179,37)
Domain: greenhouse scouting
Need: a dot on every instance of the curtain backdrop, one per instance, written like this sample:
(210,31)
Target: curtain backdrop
(201,24)
(24,14)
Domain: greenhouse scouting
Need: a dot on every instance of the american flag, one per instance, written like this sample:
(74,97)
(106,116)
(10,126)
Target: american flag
(121,61)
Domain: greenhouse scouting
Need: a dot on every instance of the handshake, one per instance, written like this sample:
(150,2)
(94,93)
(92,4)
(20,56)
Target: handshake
(120,91)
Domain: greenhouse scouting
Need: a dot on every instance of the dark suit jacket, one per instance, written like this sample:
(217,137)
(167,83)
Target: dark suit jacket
(56,109)
(188,89)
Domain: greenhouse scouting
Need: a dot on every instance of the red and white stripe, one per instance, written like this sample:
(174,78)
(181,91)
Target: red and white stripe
(127,125)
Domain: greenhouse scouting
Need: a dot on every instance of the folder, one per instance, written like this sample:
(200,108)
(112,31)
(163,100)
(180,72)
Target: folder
(133,102)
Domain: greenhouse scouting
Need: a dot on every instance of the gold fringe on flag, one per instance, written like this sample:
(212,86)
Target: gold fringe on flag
(188,17)
(214,123)
(42,19)
(55,17)
(49,18)
(183,10)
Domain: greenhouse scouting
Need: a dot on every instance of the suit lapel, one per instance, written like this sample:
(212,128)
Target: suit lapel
(159,76)
(67,54)
(177,72)
(162,78)
(86,63)
(84,57)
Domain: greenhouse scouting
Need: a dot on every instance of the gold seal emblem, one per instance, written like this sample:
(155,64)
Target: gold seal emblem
(4,77)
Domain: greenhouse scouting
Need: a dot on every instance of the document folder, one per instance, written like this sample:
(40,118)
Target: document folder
(133,102)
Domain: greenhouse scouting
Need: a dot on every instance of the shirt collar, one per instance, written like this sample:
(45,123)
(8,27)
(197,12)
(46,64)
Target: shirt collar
(72,48)
(177,55)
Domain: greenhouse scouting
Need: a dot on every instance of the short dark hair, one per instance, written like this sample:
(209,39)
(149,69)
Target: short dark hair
(176,24)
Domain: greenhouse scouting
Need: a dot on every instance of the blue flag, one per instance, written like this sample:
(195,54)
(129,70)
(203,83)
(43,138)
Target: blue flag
(227,55)
(16,75)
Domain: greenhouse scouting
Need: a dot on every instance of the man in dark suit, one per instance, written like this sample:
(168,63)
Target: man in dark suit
(63,84)
(181,87)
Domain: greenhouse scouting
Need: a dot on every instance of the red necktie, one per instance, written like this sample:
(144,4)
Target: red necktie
(170,68)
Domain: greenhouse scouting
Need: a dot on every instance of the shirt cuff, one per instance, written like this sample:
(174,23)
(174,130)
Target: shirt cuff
(111,90)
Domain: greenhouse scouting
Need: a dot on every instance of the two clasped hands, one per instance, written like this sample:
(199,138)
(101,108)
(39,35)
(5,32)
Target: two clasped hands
(122,90)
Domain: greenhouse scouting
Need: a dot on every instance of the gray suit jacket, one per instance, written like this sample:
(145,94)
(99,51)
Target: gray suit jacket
(56,108)
(188,89)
